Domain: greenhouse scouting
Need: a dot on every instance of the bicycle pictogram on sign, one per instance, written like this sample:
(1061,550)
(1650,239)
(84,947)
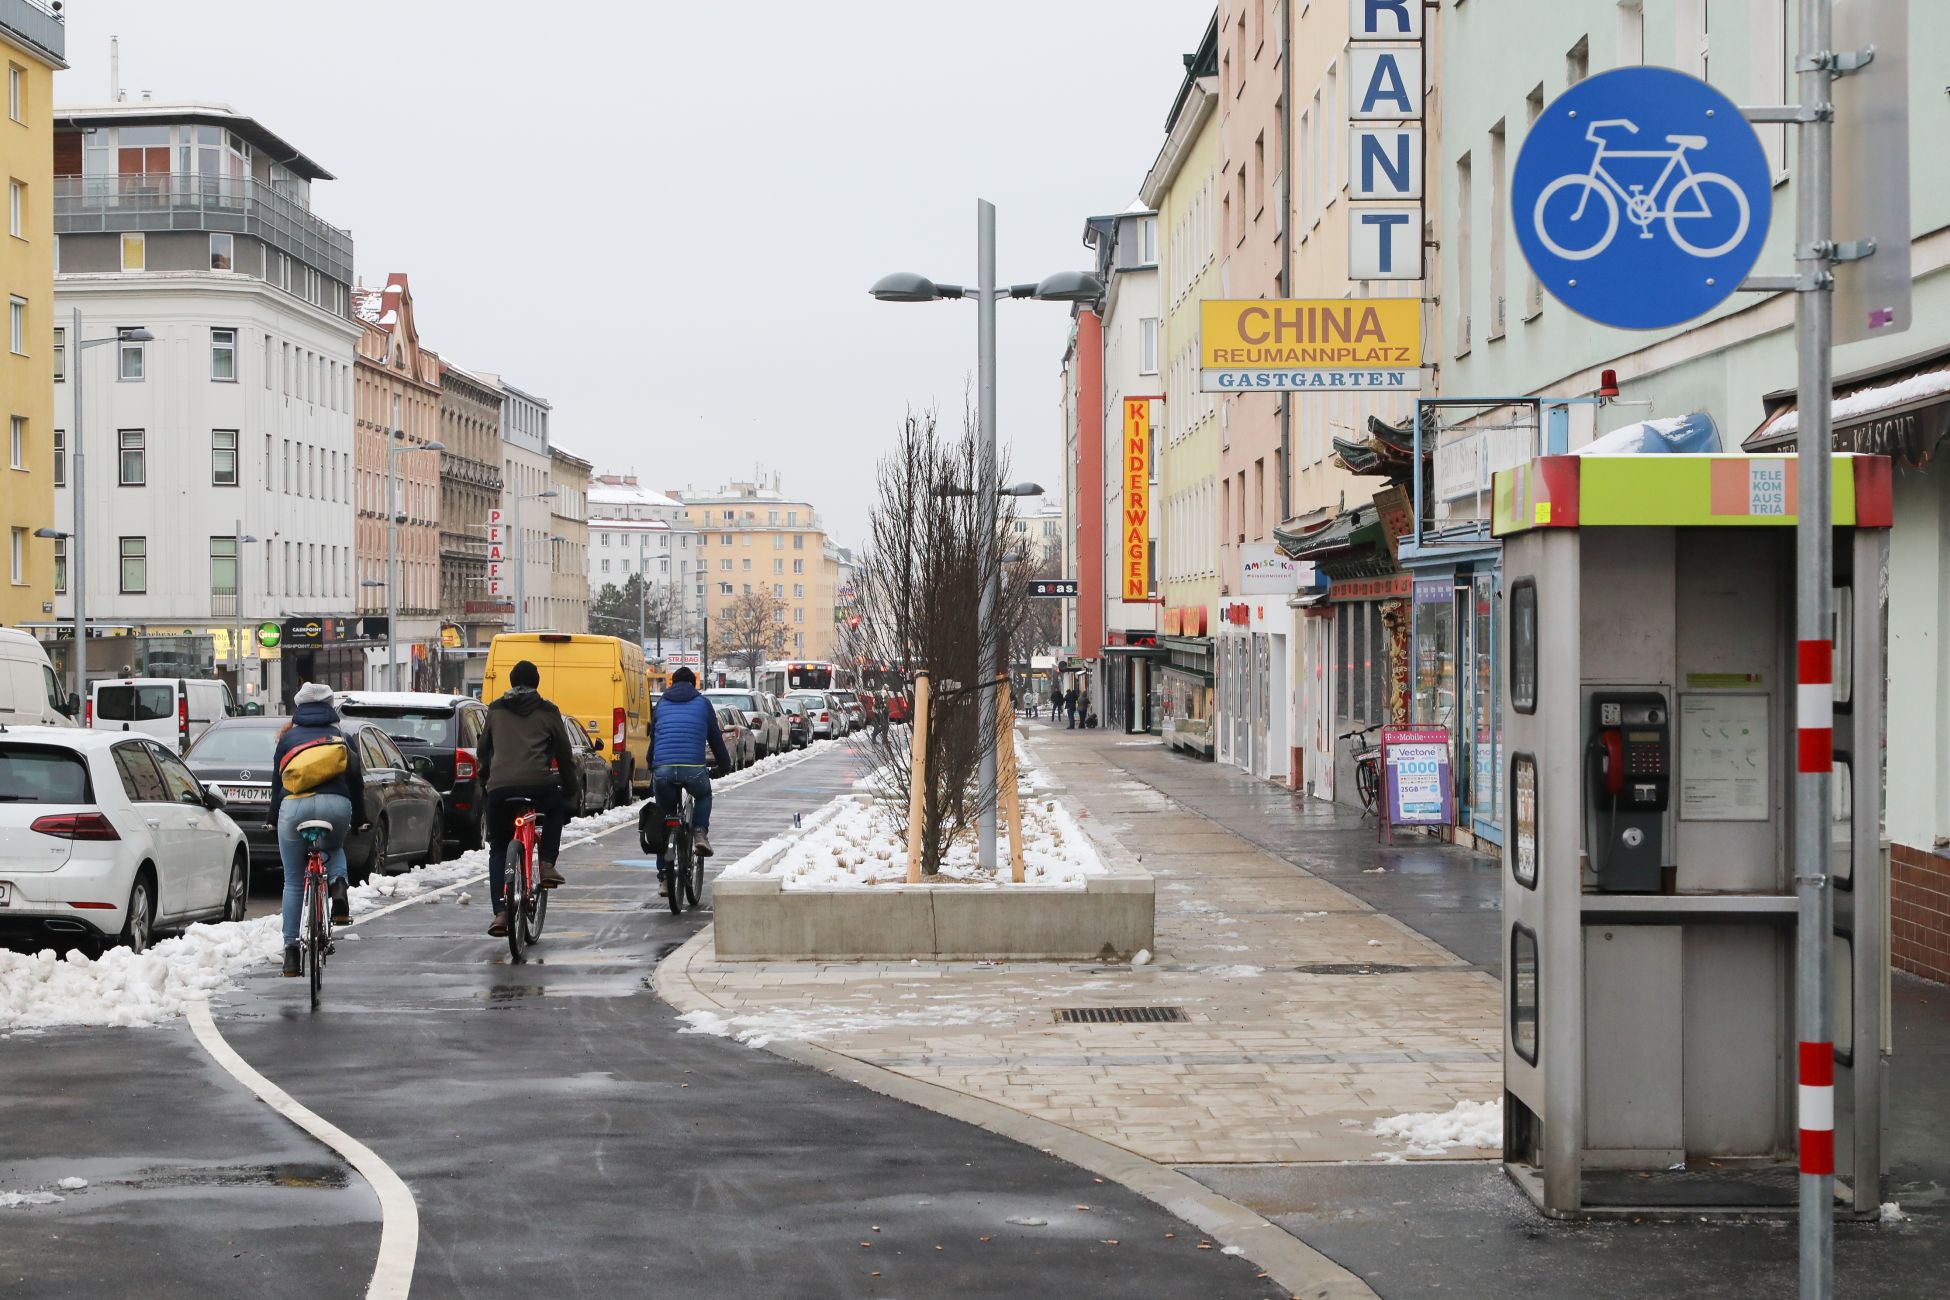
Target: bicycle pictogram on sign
(1642,197)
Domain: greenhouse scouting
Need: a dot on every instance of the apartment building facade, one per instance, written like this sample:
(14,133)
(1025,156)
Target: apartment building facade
(754,538)
(220,454)
(33,41)
(568,553)
(470,486)
(635,531)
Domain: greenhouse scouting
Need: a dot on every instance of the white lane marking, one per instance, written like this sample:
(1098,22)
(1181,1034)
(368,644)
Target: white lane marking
(399,1222)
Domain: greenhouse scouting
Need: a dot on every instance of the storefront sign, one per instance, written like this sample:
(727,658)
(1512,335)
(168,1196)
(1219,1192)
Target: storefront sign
(1397,586)
(450,637)
(1136,551)
(1053,587)
(1395,510)
(1434,591)
(1311,344)
(490,607)
(1265,570)
(1185,620)
(1416,787)
(1385,108)
(269,635)
(1239,614)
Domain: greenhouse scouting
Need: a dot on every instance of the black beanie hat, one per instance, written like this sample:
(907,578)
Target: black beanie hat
(525,674)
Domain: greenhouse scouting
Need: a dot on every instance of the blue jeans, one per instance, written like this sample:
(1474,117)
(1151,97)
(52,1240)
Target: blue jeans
(333,808)
(669,779)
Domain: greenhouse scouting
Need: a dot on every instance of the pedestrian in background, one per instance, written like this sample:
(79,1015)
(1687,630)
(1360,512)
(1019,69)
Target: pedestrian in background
(1070,707)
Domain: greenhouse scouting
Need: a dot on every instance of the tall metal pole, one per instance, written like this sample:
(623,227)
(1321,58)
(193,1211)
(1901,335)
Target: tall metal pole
(990,657)
(393,446)
(78,539)
(521,569)
(237,646)
(1813,332)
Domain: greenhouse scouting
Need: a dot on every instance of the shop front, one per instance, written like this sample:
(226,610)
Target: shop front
(1252,686)
(1133,685)
(1188,700)
(329,648)
(1455,669)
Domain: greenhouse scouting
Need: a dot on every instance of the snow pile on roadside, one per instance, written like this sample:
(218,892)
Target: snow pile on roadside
(855,842)
(809,1024)
(16,1200)
(1433,1133)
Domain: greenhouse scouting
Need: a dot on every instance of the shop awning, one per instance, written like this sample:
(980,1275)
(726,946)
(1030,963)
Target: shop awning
(1354,528)
(1902,413)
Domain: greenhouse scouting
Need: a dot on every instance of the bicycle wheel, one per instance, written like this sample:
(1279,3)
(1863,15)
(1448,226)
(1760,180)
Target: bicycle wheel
(531,915)
(1367,781)
(690,869)
(1714,220)
(678,852)
(1583,236)
(517,899)
(316,939)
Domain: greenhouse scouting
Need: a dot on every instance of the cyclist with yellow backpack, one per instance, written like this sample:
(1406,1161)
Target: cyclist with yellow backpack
(319,779)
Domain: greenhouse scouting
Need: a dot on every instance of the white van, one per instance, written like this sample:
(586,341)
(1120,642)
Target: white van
(174,710)
(30,693)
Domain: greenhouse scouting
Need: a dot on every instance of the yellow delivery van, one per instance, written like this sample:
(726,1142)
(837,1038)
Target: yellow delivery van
(599,684)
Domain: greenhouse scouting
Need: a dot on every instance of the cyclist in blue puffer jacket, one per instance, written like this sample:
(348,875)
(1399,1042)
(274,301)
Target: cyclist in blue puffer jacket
(683,728)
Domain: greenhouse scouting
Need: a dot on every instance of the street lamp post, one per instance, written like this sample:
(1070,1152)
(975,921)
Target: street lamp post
(78,535)
(241,540)
(395,515)
(1064,286)
(521,555)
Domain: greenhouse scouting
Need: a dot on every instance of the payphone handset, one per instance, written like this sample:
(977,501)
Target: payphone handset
(1628,761)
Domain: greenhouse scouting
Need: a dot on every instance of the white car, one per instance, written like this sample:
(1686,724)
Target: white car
(106,837)
(175,710)
(770,732)
(825,720)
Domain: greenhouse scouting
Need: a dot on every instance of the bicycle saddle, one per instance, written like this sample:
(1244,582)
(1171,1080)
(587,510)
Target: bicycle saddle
(1687,141)
(314,825)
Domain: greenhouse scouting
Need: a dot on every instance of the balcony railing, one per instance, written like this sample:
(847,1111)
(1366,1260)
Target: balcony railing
(34,21)
(101,204)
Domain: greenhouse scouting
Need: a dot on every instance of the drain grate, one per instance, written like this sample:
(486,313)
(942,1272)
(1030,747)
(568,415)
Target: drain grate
(1351,968)
(1120,1015)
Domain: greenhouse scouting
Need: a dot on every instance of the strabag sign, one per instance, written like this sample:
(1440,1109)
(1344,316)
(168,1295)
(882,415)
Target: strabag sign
(1310,344)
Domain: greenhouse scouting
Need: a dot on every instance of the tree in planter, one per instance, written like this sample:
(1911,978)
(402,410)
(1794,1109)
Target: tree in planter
(750,631)
(918,601)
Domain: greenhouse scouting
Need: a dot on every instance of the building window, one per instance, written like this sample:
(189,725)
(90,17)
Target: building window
(135,565)
(20,556)
(725,565)
(60,458)
(778,566)
(778,541)
(17,319)
(223,356)
(798,614)
(17,209)
(134,458)
(605,566)
(223,457)
(17,441)
(60,566)
(16,92)
(223,566)
(798,566)
(128,359)
(724,589)
(135,251)
(798,591)
(1148,345)
(222,250)
(778,591)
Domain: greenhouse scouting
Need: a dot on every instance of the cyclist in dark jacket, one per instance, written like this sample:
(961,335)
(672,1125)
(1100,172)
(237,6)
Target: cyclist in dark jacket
(340,801)
(524,754)
(683,727)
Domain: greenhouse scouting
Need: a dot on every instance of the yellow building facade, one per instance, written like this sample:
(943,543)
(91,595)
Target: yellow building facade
(753,539)
(32,41)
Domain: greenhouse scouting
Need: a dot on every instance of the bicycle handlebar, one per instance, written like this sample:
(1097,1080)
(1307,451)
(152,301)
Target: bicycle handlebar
(1591,132)
(1360,731)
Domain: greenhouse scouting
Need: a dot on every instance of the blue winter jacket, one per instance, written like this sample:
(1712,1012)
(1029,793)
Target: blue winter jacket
(311,722)
(682,724)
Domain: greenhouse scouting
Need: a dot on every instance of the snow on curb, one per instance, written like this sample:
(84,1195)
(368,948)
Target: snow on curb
(1433,1133)
(801,1025)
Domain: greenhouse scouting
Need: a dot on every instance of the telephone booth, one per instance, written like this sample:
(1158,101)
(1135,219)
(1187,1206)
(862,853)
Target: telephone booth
(1649,910)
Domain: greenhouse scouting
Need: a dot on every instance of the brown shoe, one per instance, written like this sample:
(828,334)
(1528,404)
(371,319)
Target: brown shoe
(498,927)
(551,878)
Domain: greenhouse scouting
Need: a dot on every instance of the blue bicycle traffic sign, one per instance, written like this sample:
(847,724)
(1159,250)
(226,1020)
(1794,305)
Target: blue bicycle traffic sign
(1641,197)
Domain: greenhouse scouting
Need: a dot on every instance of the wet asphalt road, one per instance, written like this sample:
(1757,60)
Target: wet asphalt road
(558,1134)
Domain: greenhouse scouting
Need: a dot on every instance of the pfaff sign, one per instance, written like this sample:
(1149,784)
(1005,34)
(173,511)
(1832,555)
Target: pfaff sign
(1311,344)
(1136,550)
(1384,110)
(497,540)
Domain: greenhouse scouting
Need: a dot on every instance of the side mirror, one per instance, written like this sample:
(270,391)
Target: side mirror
(213,801)
(69,707)
(421,765)
(596,743)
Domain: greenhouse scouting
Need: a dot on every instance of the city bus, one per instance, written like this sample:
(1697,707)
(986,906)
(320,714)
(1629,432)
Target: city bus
(785,676)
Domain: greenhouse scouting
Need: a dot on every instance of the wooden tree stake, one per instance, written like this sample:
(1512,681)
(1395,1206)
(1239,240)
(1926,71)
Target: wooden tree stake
(1005,772)
(917,778)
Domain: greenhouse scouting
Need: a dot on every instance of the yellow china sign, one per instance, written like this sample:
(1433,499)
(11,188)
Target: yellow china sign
(1310,344)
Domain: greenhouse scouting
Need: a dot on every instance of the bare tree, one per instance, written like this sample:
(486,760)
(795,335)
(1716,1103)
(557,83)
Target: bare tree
(918,599)
(750,631)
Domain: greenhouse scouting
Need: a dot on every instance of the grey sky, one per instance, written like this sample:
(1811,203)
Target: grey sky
(664,217)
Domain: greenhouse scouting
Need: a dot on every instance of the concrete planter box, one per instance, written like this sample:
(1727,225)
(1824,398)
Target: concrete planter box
(1110,919)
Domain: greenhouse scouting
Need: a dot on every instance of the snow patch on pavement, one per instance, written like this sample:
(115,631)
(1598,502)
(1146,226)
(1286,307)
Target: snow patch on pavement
(19,1200)
(808,1024)
(1433,1133)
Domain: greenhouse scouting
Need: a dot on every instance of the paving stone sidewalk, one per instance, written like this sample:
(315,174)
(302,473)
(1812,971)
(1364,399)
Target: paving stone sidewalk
(1279,1061)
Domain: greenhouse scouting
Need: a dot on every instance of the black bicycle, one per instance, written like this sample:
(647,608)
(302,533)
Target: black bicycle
(1367,766)
(679,868)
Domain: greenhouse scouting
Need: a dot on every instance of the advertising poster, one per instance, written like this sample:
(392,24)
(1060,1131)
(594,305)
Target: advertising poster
(1416,784)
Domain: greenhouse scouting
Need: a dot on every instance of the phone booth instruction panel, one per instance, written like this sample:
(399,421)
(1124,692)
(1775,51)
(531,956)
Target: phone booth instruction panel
(1648,751)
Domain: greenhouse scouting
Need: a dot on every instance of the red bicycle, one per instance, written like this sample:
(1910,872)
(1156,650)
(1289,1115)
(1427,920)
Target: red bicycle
(317,913)
(527,901)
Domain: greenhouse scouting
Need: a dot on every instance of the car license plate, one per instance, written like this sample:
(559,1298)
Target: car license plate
(247,793)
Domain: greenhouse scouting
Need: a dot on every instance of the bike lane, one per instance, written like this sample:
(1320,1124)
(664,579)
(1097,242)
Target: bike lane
(557,1131)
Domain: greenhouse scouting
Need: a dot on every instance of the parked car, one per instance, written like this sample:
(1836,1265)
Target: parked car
(174,710)
(30,693)
(769,732)
(738,739)
(599,681)
(824,720)
(592,787)
(796,724)
(446,731)
(402,806)
(856,714)
(108,838)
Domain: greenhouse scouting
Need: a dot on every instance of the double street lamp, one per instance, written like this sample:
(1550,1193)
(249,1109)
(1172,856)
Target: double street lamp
(1064,286)
(521,555)
(395,516)
(77,537)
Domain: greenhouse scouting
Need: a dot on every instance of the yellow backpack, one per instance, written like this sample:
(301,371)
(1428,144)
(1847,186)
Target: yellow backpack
(313,764)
